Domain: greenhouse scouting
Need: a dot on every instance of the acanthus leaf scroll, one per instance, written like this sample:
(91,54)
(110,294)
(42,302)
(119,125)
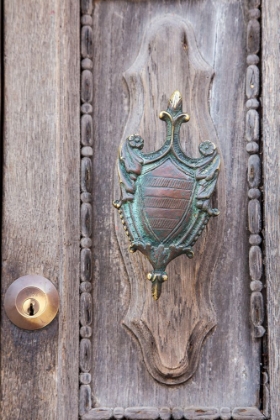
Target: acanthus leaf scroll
(165,201)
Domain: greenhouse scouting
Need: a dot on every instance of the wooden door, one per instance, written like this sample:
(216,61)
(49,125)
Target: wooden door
(79,79)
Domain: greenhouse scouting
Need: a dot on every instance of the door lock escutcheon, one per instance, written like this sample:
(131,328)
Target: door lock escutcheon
(31,302)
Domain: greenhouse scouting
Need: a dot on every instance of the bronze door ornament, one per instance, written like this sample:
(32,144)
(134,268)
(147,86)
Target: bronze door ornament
(165,195)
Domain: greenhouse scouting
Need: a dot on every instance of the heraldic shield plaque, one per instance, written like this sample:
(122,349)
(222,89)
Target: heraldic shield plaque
(165,201)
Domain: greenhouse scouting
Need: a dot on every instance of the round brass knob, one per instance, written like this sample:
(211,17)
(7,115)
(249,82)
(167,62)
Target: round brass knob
(31,302)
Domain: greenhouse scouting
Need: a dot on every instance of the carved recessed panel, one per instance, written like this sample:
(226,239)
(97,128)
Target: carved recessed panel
(171,330)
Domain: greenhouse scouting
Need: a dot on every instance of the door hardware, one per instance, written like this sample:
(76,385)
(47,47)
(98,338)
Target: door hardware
(165,199)
(31,302)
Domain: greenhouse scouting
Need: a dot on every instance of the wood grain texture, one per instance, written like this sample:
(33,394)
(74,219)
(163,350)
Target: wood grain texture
(118,413)
(252,81)
(164,413)
(254,216)
(252,125)
(255,263)
(99,414)
(228,374)
(176,413)
(252,147)
(85,355)
(266,395)
(271,159)
(170,339)
(253,37)
(85,378)
(86,130)
(85,400)
(86,264)
(86,219)
(41,203)
(243,413)
(86,173)
(85,309)
(254,171)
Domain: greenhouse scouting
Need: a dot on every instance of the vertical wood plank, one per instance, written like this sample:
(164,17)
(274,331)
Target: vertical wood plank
(229,370)
(271,153)
(41,203)
(68,137)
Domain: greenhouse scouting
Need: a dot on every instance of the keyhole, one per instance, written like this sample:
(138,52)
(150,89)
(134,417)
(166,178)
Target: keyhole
(30,310)
(30,307)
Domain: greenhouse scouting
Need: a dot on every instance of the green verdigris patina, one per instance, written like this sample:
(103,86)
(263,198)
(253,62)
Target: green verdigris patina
(166,196)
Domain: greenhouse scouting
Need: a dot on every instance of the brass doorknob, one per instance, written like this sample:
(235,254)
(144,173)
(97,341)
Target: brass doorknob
(31,302)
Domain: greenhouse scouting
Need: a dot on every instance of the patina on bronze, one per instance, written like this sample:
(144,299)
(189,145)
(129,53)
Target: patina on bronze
(165,195)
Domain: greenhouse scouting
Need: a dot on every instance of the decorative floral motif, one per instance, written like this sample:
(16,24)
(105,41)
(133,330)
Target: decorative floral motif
(136,141)
(207,148)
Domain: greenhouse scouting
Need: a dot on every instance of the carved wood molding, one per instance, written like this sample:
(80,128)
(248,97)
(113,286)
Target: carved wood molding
(254,171)
(176,413)
(85,402)
(252,136)
(194,317)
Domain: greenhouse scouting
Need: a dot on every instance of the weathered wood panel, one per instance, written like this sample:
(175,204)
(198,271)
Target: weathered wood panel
(40,232)
(271,159)
(228,374)
(172,331)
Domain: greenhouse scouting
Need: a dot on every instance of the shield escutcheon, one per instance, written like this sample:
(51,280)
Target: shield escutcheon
(166,196)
